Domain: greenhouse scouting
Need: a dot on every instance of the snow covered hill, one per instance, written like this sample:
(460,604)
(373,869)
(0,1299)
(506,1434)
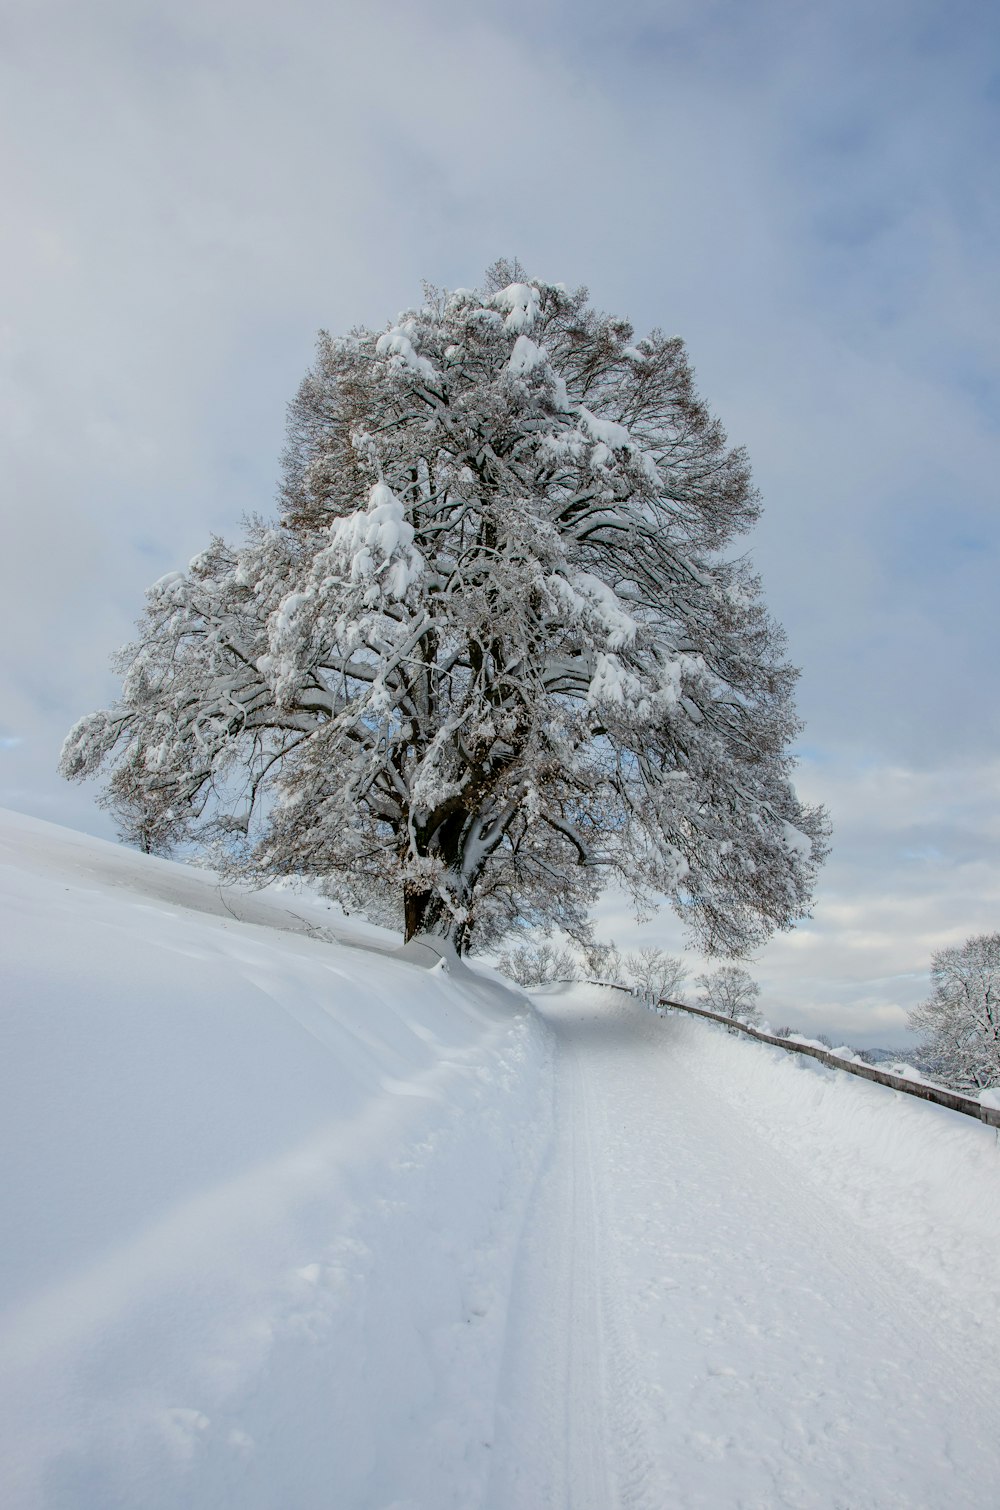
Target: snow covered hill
(261,1196)
(290,1224)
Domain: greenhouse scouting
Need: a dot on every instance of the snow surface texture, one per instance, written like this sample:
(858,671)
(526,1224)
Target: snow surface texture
(294,1224)
(260,1202)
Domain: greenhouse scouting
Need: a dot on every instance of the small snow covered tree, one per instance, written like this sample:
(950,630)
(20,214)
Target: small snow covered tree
(960,1020)
(603,962)
(732,992)
(656,974)
(144,816)
(537,966)
(493,649)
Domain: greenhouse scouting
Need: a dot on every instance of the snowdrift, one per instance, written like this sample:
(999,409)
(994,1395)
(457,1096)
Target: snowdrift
(261,1195)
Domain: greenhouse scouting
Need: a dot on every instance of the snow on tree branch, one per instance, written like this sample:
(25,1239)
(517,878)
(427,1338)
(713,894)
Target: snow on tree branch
(492,650)
(960,1020)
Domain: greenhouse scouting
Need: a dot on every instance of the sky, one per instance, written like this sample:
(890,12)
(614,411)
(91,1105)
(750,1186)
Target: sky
(807,193)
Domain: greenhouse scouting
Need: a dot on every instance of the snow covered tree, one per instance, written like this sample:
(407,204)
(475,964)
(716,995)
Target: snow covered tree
(144,816)
(603,962)
(493,650)
(537,966)
(654,973)
(732,992)
(960,1020)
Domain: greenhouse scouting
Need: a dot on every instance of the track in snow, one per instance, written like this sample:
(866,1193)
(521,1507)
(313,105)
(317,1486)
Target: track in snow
(566,1427)
(696,1324)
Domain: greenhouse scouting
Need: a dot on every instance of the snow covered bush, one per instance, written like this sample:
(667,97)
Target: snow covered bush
(493,650)
(732,992)
(538,966)
(960,1020)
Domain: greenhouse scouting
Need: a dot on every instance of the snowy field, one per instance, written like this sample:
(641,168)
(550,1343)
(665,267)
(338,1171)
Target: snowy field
(292,1223)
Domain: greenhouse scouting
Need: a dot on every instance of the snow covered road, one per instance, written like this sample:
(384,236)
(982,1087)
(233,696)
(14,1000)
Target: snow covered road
(287,1225)
(704,1317)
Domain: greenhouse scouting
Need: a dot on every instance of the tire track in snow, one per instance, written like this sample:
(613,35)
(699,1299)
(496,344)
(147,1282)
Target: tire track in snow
(586,1472)
(625,1417)
(570,1433)
(543,1407)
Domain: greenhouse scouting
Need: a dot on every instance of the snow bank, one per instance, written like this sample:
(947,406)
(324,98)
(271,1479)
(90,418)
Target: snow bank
(924,1180)
(261,1195)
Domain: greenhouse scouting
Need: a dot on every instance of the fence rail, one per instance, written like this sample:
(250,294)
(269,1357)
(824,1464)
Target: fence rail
(965,1104)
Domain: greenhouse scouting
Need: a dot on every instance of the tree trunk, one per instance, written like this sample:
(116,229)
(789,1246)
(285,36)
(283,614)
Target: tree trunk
(424,908)
(426,912)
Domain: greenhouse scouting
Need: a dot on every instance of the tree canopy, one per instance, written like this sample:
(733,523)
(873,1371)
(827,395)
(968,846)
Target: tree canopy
(494,648)
(960,1020)
(732,992)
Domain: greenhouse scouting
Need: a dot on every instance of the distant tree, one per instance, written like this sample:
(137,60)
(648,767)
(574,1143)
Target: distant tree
(144,814)
(603,962)
(537,966)
(493,651)
(960,1020)
(654,973)
(732,992)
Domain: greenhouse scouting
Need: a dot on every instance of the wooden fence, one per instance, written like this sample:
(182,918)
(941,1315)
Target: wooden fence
(965,1104)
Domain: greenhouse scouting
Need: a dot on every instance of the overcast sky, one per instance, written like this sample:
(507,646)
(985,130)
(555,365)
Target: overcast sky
(806,192)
